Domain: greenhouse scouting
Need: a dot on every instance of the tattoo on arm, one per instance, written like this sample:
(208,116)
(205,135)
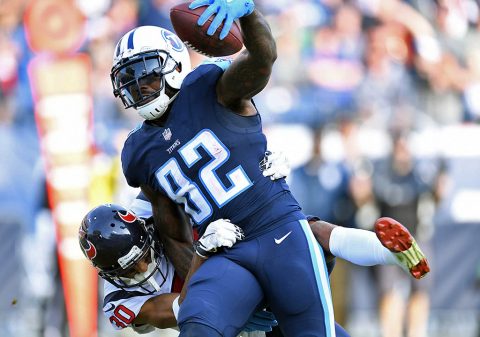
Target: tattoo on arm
(251,70)
(173,230)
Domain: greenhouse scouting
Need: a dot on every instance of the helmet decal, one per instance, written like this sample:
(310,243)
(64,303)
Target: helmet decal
(130,39)
(127,217)
(172,39)
(91,251)
(117,49)
(132,255)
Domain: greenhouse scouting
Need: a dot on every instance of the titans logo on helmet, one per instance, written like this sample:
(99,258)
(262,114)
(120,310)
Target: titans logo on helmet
(173,39)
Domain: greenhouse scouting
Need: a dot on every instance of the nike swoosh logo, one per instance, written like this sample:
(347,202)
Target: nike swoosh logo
(279,241)
(110,308)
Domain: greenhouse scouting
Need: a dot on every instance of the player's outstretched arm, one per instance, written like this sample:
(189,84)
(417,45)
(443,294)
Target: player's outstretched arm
(250,71)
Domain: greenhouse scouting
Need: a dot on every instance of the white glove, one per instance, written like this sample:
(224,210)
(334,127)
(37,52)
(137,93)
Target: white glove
(275,165)
(220,233)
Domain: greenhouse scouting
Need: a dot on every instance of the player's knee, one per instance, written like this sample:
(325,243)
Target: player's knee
(197,330)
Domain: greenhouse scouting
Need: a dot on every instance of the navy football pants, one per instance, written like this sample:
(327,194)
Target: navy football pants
(284,267)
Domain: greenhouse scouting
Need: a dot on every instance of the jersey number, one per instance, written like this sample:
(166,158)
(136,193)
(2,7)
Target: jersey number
(182,189)
(122,316)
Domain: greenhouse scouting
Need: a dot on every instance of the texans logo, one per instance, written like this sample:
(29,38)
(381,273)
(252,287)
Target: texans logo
(128,217)
(91,251)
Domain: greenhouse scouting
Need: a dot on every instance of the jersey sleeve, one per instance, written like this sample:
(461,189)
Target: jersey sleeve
(141,206)
(121,307)
(203,77)
(128,163)
(222,63)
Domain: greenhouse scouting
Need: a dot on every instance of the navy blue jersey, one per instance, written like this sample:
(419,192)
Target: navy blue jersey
(207,158)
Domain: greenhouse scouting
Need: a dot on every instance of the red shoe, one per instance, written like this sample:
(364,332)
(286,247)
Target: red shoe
(397,239)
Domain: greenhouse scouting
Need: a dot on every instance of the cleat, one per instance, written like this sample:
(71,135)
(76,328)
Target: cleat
(397,239)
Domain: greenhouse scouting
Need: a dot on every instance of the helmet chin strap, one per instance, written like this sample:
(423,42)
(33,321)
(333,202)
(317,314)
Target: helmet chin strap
(161,106)
(164,105)
(140,277)
(151,280)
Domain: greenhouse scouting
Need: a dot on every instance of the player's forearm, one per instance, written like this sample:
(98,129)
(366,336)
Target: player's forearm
(157,311)
(173,229)
(322,231)
(197,261)
(258,39)
(180,254)
(250,71)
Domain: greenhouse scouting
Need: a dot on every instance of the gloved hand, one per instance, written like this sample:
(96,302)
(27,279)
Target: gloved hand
(224,10)
(275,165)
(260,320)
(220,233)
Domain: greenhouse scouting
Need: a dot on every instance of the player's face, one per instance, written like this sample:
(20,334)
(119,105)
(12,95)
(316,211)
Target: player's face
(140,81)
(149,85)
(140,267)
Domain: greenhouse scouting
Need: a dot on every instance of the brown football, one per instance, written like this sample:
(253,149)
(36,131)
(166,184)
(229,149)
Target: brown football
(184,21)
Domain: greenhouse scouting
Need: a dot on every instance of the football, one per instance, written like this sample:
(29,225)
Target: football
(184,21)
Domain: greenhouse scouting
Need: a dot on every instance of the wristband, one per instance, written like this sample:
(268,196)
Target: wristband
(200,251)
(313,218)
(175,307)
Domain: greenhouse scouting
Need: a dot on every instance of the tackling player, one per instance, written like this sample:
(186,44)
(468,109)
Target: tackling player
(142,289)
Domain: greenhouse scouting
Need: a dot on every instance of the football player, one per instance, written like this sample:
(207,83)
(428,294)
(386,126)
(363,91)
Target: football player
(142,289)
(200,147)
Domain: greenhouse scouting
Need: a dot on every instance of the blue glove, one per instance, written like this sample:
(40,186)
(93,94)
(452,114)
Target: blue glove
(260,320)
(228,10)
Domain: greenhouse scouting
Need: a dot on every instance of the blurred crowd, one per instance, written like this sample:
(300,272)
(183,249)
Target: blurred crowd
(375,102)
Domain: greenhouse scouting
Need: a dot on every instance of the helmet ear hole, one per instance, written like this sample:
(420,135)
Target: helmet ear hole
(179,67)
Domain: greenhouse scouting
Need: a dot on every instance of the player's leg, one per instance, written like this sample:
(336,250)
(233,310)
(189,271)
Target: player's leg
(221,297)
(391,243)
(394,236)
(292,271)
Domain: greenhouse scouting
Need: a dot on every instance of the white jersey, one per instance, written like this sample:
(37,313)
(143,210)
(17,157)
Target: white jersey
(122,306)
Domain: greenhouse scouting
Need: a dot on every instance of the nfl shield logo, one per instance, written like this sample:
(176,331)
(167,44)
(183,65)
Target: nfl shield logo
(167,134)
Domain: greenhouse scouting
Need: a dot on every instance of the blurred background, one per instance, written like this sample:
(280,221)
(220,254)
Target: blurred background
(375,102)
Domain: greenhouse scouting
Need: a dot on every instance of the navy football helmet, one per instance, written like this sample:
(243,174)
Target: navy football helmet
(114,240)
